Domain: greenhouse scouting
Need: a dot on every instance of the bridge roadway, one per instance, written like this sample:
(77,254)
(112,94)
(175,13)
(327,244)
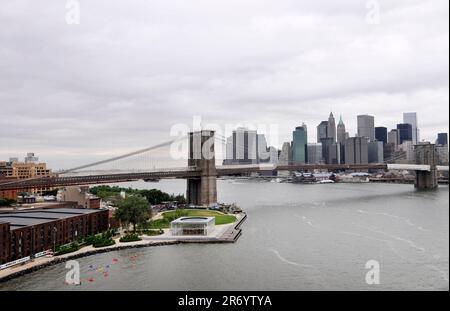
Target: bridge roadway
(191,172)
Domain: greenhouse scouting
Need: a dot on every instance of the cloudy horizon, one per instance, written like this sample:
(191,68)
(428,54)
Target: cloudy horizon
(121,78)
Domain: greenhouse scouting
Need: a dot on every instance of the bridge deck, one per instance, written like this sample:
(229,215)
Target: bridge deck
(192,172)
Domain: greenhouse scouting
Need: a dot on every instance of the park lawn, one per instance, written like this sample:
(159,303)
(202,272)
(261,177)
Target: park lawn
(164,223)
(221,218)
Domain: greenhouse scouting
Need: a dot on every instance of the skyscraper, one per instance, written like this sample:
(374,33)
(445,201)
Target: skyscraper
(411,118)
(405,132)
(366,127)
(341,134)
(356,150)
(381,134)
(286,154)
(331,129)
(442,139)
(314,153)
(394,137)
(299,142)
(242,147)
(263,150)
(322,131)
(376,152)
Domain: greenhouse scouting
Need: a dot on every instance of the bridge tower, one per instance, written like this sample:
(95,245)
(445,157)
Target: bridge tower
(425,154)
(202,191)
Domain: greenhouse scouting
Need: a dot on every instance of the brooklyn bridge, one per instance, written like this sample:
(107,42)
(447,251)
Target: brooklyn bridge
(202,170)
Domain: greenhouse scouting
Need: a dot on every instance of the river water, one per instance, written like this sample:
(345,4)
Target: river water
(296,237)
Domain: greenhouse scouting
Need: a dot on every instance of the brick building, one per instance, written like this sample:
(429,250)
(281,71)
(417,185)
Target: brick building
(29,168)
(25,233)
(79,194)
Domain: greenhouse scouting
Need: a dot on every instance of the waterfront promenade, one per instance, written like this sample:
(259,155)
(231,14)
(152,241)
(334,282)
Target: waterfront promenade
(228,233)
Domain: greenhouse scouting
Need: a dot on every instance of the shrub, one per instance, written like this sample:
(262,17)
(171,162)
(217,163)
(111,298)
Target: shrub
(153,232)
(103,242)
(68,248)
(133,237)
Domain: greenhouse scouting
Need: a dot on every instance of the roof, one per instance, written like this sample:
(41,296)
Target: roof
(19,219)
(193,220)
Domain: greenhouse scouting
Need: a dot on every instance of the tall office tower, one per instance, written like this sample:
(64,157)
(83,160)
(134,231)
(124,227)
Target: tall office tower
(394,137)
(442,139)
(442,154)
(331,129)
(299,142)
(381,134)
(244,146)
(366,127)
(331,153)
(356,150)
(411,118)
(286,154)
(273,155)
(376,152)
(314,153)
(322,131)
(341,134)
(408,147)
(405,132)
(263,150)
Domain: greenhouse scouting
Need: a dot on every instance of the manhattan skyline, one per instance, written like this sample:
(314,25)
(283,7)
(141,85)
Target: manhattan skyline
(127,73)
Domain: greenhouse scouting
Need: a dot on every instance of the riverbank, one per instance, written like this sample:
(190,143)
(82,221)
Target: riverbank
(223,234)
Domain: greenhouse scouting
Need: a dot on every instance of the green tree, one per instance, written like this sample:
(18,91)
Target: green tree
(133,209)
(155,196)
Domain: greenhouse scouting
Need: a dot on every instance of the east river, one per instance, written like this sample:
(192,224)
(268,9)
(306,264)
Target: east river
(296,237)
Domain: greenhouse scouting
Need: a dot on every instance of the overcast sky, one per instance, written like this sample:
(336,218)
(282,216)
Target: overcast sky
(119,79)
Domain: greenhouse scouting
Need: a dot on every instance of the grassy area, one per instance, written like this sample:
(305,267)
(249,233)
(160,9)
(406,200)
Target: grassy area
(221,218)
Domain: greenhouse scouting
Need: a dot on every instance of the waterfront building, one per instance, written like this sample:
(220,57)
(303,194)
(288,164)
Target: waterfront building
(356,150)
(26,233)
(299,142)
(30,168)
(376,152)
(322,131)
(366,127)
(315,153)
(331,128)
(442,139)
(341,134)
(381,134)
(202,226)
(411,118)
(394,137)
(80,195)
(405,132)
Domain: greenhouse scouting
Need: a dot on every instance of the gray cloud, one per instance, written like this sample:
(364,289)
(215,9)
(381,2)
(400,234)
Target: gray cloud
(130,70)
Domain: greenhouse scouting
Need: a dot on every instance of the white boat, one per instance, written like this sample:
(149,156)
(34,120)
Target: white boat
(326,181)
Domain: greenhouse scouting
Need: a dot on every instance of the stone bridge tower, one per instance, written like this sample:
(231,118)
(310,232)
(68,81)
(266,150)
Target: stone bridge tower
(202,191)
(425,154)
